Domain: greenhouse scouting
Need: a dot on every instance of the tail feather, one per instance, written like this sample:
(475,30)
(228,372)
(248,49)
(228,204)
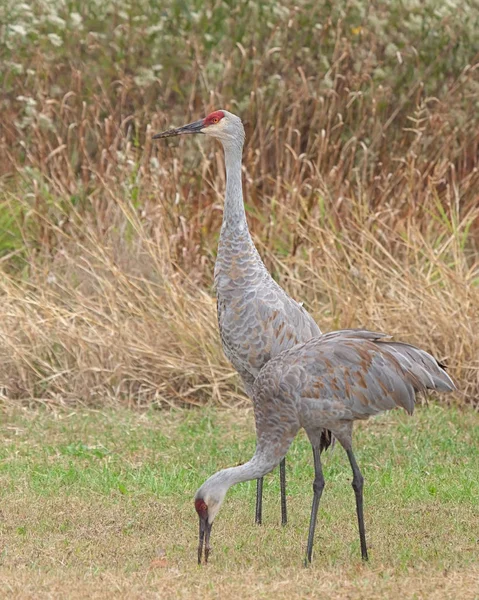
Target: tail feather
(425,369)
(326,440)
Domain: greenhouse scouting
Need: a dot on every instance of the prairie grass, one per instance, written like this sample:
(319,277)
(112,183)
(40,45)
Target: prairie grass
(361,178)
(99,505)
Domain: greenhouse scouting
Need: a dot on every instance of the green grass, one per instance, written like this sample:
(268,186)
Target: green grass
(94,502)
(360,182)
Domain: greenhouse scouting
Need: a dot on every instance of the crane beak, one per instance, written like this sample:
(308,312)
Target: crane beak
(194,127)
(205,531)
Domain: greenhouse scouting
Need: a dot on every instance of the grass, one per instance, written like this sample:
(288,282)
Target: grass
(361,178)
(99,504)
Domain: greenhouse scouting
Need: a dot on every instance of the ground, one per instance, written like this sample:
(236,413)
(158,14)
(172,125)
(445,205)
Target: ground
(99,505)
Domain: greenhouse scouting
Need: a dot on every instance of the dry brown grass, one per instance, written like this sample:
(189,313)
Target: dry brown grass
(352,583)
(362,198)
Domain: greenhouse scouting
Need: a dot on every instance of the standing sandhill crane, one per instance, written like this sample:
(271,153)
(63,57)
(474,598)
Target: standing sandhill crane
(326,383)
(257,319)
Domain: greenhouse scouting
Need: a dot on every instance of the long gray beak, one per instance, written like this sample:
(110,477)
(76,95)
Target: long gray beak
(194,127)
(205,531)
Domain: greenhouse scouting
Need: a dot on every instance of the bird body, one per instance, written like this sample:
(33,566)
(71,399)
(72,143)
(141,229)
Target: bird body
(326,383)
(340,377)
(257,319)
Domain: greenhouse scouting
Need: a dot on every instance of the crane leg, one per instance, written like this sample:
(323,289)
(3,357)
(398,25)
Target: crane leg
(282,483)
(318,486)
(259,501)
(357,484)
(259,496)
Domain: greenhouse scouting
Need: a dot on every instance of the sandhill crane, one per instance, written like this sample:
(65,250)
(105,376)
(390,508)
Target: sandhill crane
(257,319)
(326,383)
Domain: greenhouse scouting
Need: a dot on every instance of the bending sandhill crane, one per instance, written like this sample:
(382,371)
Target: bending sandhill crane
(326,383)
(257,319)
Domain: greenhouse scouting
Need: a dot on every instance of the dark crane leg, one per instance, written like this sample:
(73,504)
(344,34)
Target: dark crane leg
(259,501)
(259,495)
(357,484)
(282,483)
(318,486)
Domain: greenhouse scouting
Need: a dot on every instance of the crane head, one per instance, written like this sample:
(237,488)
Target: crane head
(205,529)
(208,500)
(220,124)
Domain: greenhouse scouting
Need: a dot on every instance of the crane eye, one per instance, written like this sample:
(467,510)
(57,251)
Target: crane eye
(215,120)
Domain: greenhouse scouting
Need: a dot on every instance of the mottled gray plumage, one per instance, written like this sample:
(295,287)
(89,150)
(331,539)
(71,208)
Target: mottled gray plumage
(336,379)
(257,319)
(327,383)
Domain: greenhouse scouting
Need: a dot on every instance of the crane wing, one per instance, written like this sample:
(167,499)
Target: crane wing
(359,373)
(284,321)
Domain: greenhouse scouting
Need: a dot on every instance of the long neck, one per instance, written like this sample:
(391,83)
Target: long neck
(234,216)
(259,465)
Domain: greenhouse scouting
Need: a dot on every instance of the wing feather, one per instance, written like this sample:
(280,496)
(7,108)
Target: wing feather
(362,371)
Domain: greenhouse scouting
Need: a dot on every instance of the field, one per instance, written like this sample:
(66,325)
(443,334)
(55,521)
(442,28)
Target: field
(90,499)
(361,179)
